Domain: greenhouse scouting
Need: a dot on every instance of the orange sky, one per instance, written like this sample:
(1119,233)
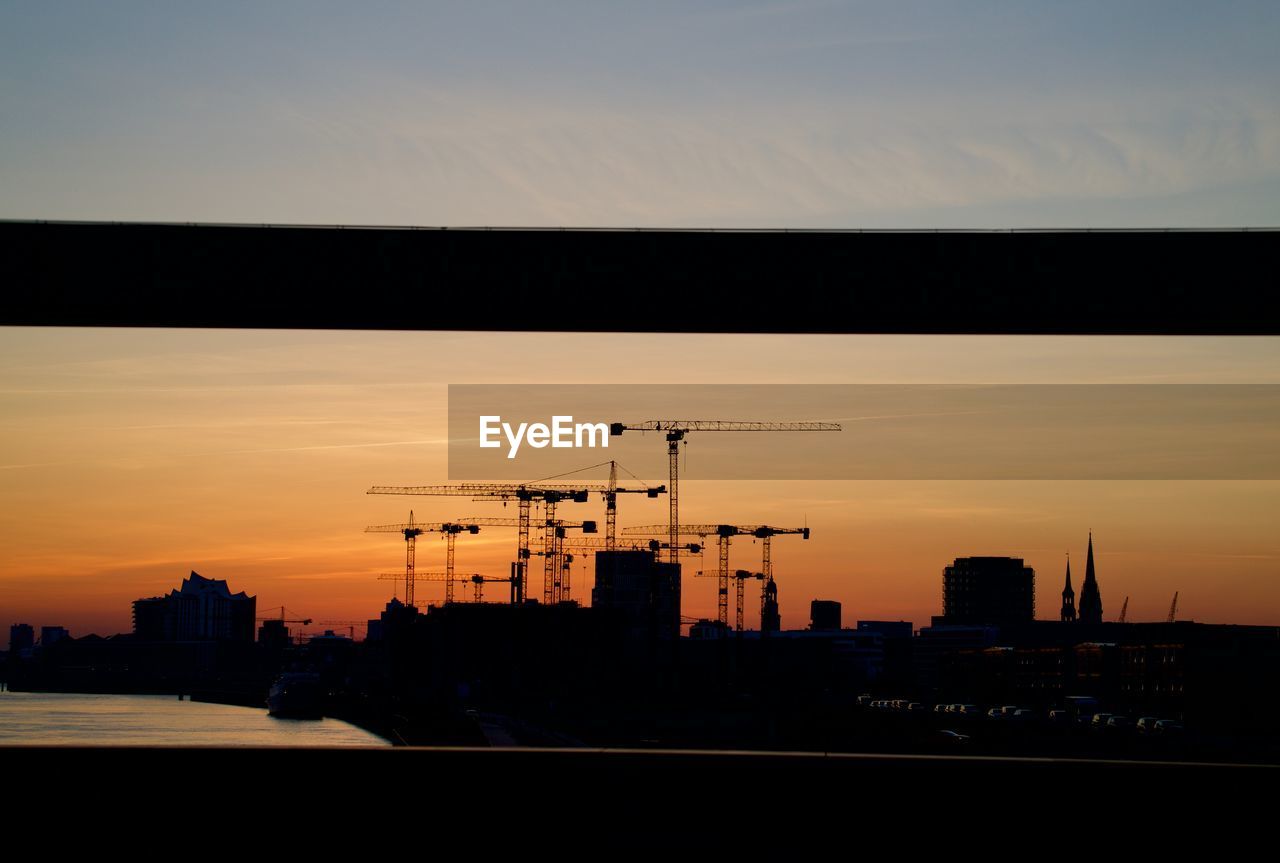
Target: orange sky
(130,457)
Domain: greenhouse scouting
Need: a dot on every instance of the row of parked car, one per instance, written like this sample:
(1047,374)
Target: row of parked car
(1013,712)
(1143,724)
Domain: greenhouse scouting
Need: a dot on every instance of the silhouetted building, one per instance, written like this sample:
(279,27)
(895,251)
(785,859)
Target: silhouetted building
(273,634)
(1090,597)
(645,590)
(396,619)
(988,591)
(705,630)
(824,614)
(21,637)
(51,635)
(897,647)
(1068,598)
(887,628)
(203,609)
(770,619)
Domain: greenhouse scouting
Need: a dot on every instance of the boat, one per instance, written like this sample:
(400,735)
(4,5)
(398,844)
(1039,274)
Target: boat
(296,695)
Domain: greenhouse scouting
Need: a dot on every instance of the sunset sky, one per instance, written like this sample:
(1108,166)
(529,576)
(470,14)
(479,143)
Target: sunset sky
(131,457)
(721,113)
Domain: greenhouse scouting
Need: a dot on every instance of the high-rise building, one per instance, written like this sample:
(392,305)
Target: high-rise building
(988,591)
(1090,596)
(646,590)
(203,609)
(824,614)
(22,636)
(51,635)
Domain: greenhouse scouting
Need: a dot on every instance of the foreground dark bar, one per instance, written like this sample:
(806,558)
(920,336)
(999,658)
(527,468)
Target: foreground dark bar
(1155,281)
(606,804)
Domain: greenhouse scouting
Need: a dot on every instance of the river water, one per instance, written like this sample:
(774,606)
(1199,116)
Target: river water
(42,718)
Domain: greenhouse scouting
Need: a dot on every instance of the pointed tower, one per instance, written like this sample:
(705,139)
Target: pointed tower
(1090,598)
(1068,598)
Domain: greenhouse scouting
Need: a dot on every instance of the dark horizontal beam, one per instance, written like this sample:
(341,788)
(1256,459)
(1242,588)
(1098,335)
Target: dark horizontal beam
(1112,282)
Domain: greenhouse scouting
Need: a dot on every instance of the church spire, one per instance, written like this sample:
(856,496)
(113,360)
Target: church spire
(1090,597)
(1068,597)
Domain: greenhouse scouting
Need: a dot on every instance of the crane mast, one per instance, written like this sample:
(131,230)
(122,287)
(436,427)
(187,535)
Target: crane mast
(676,431)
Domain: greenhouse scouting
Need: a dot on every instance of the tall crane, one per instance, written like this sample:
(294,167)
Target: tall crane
(1173,607)
(305,621)
(741,577)
(585,546)
(553,540)
(449,578)
(590,545)
(676,431)
(524,494)
(609,492)
(411,531)
(282,617)
(1124,610)
(723,533)
(350,625)
(478,581)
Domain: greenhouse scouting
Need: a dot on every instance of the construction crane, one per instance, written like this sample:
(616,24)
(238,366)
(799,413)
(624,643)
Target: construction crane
(524,494)
(1173,607)
(586,547)
(411,531)
(282,617)
(590,545)
(350,625)
(676,431)
(554,533)
(609,492)
(723,533)
(741,577)
(479,581)
(305,621)
(449,578)
(563,562)
(1124,609)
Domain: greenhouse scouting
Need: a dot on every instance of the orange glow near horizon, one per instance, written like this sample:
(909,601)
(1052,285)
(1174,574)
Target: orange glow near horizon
(131,457)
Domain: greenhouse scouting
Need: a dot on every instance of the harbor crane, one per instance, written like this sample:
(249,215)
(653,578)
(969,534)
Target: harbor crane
(676,431)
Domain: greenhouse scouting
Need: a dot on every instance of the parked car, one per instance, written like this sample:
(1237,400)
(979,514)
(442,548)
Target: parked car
(995,713)
(1120,722)
(1023,714)
(1146,724)
(954,737)
(969,710)
(941,708)
(914,706)
(1168,726)
(1100,719)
